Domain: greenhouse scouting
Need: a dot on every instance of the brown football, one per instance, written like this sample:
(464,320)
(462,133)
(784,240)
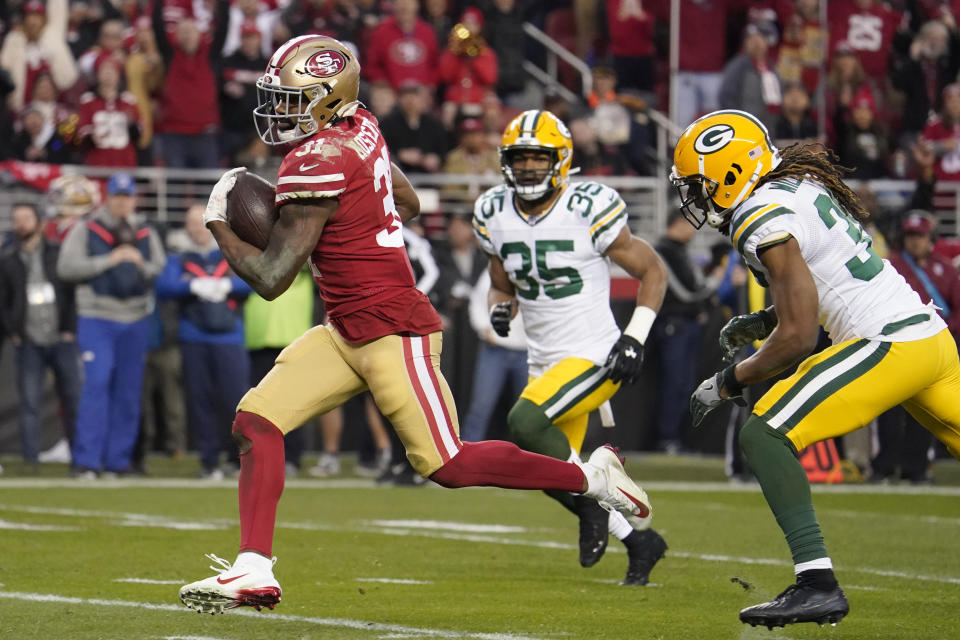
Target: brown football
(251,212)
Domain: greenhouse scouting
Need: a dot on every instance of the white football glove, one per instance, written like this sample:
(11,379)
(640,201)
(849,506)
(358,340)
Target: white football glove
(217,204)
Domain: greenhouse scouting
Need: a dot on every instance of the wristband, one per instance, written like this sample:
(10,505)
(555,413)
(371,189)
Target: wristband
(639,326)
(728,380)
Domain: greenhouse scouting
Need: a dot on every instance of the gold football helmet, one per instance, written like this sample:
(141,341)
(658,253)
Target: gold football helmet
(540,131)
(717,163)
(310,83)
(71,195)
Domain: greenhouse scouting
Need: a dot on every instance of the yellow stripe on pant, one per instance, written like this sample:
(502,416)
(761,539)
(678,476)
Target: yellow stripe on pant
(567,392)
(844,387)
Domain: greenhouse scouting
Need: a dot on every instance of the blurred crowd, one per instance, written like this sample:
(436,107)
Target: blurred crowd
(171,82)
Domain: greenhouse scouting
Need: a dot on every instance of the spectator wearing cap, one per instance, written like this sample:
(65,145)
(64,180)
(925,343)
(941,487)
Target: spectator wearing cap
(216,366)
(402,49)
(750,82)
(238,89)
(417,140)
(113,258)
(245,17)
(903,444)
(942,134)
(921,76)
(108,122)
(863,143)
(189,114)
(38,313)
(38,45)
(109,45)
(468,67)
(868,27)
(471,157)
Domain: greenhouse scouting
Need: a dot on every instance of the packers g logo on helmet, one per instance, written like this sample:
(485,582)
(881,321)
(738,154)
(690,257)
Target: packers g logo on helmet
(539,131)
(717,163)
(310,83)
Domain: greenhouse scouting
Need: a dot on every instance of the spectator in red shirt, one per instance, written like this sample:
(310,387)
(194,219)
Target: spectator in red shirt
(631,43)
(402,48)
(868,27)
(802,46)
(108,120)
(110,44)
(942,133)
(189,113)
(468,67)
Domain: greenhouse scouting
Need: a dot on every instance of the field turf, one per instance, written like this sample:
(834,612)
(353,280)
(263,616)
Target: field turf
(104,559)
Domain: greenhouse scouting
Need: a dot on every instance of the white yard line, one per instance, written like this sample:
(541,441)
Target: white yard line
(344,623)
(26,526)
(391,581)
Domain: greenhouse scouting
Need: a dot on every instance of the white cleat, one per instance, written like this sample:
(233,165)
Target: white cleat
(618,491)
(234,586)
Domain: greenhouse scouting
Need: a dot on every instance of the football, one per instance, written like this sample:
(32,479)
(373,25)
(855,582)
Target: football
(251,211)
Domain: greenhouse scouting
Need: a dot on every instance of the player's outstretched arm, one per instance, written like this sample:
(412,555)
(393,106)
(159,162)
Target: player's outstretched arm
(404,197)
(795,300)
(292,239)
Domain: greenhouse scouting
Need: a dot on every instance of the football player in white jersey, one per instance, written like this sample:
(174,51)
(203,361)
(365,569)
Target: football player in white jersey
(549,242)
(797,226)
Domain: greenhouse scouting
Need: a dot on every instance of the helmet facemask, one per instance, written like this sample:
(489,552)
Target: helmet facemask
(285,114)
(696,199)
(531,184)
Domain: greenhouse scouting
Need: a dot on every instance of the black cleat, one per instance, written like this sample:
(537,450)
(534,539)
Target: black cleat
(799,603)
(594,529)
(644,550)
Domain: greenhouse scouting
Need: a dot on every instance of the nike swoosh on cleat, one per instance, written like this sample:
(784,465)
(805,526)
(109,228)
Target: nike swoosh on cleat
(644,509)
(229,580)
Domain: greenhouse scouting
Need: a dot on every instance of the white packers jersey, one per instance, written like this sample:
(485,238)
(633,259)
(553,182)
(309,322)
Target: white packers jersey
(555,261)
(860,294)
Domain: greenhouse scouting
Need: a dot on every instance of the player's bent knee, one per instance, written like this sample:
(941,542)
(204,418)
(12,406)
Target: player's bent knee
(756,435)
(526,420)
(249,428)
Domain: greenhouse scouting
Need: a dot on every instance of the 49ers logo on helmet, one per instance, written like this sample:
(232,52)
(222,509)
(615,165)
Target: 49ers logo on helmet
(324,64)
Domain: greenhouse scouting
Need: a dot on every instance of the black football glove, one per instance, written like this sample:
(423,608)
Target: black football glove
(742,330)
(625,359)
(500,316)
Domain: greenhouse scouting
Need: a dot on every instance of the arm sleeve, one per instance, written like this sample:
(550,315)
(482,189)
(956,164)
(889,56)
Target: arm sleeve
(170,283)
(764,226)
(160,33)
(605,212)
(313,175)
(483,211)
(75,263)
(158,257)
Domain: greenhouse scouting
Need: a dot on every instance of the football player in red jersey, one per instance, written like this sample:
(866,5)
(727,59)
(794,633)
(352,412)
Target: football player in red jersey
(342,203)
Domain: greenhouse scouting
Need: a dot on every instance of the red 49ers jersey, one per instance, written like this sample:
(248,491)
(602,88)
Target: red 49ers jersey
(107,124)
(359,264)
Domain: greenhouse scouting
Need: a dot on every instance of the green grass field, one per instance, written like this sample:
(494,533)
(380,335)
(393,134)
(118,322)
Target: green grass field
(356,561)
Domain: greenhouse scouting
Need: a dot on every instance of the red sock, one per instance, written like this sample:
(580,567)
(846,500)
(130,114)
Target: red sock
(495,463)
(261,481)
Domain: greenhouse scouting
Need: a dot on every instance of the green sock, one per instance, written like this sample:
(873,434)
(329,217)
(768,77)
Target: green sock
(773,459)
(532,430)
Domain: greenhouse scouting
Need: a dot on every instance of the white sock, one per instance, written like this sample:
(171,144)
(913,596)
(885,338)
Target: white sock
(819,563)
(618,525)
(253,560)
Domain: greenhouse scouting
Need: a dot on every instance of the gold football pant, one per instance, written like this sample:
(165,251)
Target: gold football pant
(567,392)
(320,371)
(849,384)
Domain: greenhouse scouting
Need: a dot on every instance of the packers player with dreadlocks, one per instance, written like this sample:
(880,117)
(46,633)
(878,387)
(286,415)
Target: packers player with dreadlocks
(549,242)
(798,227)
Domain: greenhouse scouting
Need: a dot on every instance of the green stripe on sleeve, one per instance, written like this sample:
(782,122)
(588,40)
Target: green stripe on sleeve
(743,216)
(599,232)
(893,327)
(597,218)
(759,222)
